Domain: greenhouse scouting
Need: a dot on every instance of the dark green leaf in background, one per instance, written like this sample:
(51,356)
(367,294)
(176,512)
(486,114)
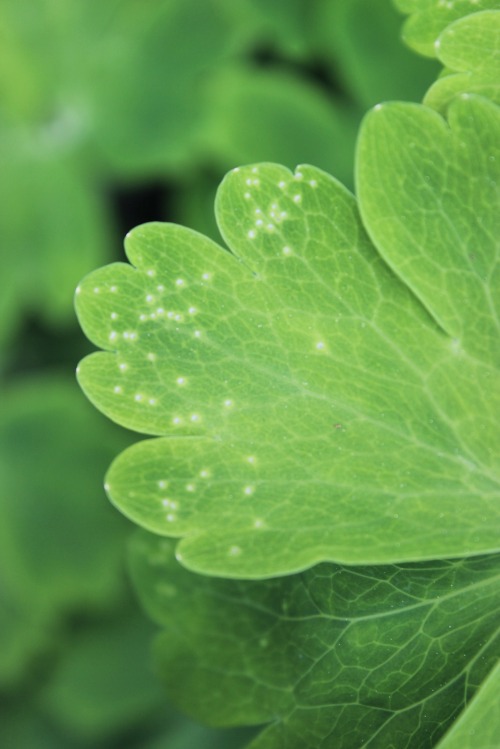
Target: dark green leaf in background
(333,658)
(470,48)
(428,18)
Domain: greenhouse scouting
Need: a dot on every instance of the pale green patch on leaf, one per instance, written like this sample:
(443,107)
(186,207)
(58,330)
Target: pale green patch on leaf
(334,657)
(479,725)
(428,18)
(315,405)
(470,50)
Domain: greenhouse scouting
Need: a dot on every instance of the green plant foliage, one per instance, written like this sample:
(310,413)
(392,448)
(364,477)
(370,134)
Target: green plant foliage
(316,405)
(335,657)
(428,18)
(47,574)
(272,115)
(479,726)
(103,686)
(470,50)
(360,39)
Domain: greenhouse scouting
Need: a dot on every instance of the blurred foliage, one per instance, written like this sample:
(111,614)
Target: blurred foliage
(104,104)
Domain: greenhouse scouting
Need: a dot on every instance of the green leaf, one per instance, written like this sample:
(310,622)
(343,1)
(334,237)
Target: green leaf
(102,684)
(470,46)
(272,115)
(316,405)
(479,726)
(52,451)
(334,657)
(360,40)
(430,17)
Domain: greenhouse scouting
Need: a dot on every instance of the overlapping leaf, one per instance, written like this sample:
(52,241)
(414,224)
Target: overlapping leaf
(315,404)
(471,47)
(428,18)
(333,658)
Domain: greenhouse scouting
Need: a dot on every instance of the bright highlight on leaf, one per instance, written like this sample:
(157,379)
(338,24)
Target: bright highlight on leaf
(315,404)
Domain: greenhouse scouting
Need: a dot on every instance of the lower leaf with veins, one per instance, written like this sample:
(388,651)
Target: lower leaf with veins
(337,657)
(316,396)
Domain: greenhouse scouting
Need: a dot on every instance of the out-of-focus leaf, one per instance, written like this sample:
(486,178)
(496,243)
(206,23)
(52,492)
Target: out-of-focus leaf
(103,684)
(53,225)
(60,546)
(361,41)
(273,116)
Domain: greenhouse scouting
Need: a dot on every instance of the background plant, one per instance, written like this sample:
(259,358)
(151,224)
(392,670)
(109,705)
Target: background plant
(97,127)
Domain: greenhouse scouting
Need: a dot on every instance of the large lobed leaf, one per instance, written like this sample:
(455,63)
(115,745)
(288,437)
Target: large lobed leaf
(334,658)
(315,404)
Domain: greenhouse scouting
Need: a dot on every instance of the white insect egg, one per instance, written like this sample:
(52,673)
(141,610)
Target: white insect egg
(320,345)
(149,298)
(297,198)
(248,490)
(180,282)
(117,389)
(181,380)
(234,551)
